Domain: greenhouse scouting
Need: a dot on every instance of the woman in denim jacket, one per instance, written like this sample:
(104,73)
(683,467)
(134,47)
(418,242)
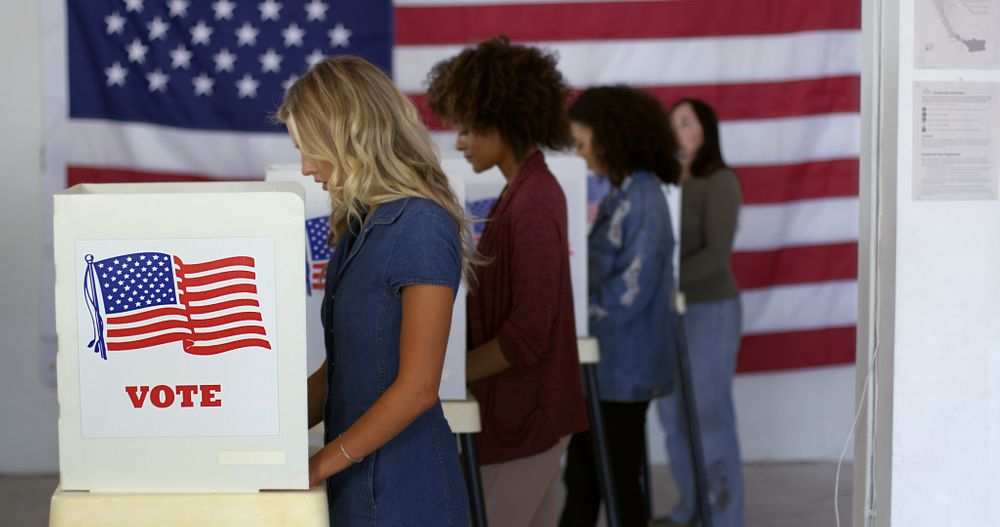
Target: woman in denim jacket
(389,457)
(624,135)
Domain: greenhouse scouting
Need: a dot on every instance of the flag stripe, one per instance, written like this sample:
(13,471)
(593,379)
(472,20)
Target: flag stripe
(129,345)
(227,319)
(798,307)
(777,184)
(146,315)
(805,222)
(212,279)
(616,20)
(79,174)
(215,293)
(148,328)
(764,100)
(792,265)
(229,304)
(666,62)
(190,269)
(797,349)
(215,349)
(231,332)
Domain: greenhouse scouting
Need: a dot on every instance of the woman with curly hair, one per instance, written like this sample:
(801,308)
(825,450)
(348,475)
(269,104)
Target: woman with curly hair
(624,135)
(506,102)
(389,457)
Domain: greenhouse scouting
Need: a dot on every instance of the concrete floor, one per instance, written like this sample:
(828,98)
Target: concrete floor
(778,495)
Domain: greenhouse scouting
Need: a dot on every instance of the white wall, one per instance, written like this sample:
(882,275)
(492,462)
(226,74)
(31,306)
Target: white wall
(28,412)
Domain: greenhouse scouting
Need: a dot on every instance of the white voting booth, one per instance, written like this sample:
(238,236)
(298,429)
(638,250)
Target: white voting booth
(317,254)
(181,321)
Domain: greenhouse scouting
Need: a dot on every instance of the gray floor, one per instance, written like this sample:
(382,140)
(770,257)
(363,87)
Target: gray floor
(778,495)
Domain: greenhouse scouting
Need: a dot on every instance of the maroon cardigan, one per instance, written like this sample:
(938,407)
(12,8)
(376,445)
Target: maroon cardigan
(524,299)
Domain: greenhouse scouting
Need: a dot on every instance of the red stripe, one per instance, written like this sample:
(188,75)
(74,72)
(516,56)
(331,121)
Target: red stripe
(620,20)
(228,319)
(229,304)
(318,287)
(784,183)
(222,333)
(799,349)
(229,346)
(146,315)
(76,175)
(145,330)
(221,277)
(221,291)
(145,343)
(244,261)
(766,100)
(796,265)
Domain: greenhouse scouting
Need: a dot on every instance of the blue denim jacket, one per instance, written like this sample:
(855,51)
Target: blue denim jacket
(631,285)
(414,479)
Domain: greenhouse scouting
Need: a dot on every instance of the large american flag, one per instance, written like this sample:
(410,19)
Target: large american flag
(147,299)
(182,90)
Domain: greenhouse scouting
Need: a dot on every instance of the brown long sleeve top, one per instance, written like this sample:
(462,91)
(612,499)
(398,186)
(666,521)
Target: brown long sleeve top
(710,208)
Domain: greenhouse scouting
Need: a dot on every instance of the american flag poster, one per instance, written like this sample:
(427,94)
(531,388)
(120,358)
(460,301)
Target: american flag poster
(169,90)
(177,337)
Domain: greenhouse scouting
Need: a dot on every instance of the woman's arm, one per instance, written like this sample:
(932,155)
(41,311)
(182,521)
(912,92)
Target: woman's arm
(485,361)
(316,395)
(423,338)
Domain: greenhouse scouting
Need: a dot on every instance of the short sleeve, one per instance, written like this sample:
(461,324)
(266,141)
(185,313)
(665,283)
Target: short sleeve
(427,249)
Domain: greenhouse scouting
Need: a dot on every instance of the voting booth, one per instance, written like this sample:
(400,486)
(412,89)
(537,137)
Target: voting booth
(316,232)
(180,314)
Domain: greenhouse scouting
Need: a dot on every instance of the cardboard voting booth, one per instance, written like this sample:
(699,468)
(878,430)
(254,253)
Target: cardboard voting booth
(181,317)
(317,253)
(482,190)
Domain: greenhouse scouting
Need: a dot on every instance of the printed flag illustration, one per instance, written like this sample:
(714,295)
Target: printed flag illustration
(146,299)
(318,232)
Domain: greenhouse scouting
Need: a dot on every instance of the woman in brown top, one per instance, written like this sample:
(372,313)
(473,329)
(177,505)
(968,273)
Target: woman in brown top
(506,102)
(710,204)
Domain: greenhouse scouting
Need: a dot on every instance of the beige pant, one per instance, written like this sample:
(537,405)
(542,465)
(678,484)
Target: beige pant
(522,492)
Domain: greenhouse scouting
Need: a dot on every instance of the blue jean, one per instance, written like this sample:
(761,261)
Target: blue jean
(713,338)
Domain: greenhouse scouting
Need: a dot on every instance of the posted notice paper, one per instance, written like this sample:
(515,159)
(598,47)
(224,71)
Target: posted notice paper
(955,148)
(957,34)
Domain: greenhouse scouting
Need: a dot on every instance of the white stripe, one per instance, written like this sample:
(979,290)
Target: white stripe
(226,269)
(764,142)
(800,307)
(225,313)
(149,322)
(230,325)
(226,340)
(183,331)
(791,140)
(224,298)
(451,3)
(806,222)
(219,285)
(672,62)
(140,146)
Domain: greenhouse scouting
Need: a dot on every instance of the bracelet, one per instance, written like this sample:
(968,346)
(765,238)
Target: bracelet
(349,457)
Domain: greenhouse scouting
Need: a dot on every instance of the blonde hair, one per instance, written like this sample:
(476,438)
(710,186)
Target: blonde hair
(347,113)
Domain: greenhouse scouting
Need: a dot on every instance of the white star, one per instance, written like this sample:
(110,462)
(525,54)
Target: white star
(116,77)
(247,86)
(157,29)
(339,36)
(178,7)
(180,57)
(200,33)
(115,23)
(270,62)
(157,80)
(313,58)
(203,84)
(224,60)
(133,5)
(136,51)
(293,35)
(288,83)
(246,35)
(316,10)
(269,9)
(223,9)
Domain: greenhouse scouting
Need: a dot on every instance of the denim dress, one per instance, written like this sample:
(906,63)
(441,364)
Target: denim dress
(415,478)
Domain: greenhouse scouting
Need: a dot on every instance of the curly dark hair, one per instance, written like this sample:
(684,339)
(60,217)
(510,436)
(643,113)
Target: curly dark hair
(515,90)
(631,132)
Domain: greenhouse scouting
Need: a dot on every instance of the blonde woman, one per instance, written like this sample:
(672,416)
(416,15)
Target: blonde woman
(389,457)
